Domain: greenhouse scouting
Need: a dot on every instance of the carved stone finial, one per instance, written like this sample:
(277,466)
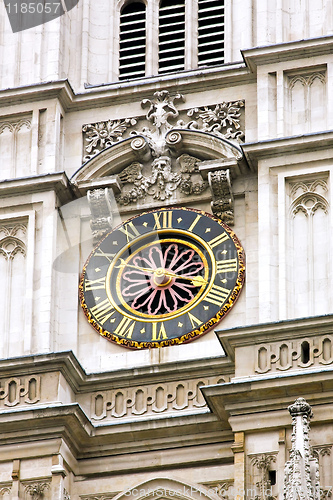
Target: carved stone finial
(301,480)
(162,108)
(300,407)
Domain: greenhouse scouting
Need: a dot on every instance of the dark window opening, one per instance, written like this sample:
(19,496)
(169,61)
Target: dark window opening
(305,352)
(272,477)
(171,36)
(132,49)
(210,32)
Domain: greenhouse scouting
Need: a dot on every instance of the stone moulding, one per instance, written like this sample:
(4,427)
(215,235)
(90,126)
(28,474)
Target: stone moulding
(14,391)
(301,353)
(151,400)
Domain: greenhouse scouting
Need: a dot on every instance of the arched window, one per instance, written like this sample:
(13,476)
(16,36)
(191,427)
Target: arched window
(210,32)
(132,49)
(171,36)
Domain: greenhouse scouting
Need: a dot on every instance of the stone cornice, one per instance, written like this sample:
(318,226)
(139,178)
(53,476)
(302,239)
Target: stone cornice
(69,423)
(122,92)
(57,182)
(245,402)
(81,382)
(281,330)
(301,49)
(299,144)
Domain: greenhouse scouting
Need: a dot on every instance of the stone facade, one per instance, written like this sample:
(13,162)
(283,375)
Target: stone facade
(249,141)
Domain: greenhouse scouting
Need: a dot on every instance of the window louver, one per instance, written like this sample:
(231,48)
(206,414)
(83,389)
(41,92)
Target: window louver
(171,41)
(210,32)
(132,50)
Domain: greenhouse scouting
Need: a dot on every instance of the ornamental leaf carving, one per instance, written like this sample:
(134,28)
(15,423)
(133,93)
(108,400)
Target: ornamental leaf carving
(101,135)
(223,119)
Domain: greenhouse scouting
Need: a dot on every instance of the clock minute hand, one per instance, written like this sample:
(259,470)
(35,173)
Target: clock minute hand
(196,280)
(125,264)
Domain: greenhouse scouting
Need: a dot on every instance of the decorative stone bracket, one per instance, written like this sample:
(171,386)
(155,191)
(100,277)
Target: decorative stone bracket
(101,212)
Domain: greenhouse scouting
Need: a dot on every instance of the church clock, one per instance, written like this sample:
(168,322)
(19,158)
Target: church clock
(161,278)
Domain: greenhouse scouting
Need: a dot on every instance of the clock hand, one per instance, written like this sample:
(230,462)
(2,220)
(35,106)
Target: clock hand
(196,280)
(125,264)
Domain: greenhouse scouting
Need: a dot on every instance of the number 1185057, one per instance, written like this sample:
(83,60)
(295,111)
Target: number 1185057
(33,8)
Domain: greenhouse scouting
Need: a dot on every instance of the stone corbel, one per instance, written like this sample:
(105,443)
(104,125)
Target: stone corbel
(101,212)
(222,198)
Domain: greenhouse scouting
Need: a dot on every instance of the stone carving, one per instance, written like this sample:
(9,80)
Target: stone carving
(261,465)
(224,489)
(150,400)
(37,489)
(161,168)
(11,242)
(222,119)
(14,391)
(5,490)
(223,200)
(307,80)
(101,212)
(101,135)
(309,196)
(66,495)
(99,496)
(325,493)
(161,108)
(288,355)
(301,476)
(321,451)
(15,126)
(162,182)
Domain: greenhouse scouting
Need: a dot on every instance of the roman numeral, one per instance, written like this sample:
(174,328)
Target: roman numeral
(196,220)
(125,327)
(130,231)
(163,220)
(194,321)
(226,266)
(108,256)
(94,284)
(103,311)
(217,295)
(218,240)
(159,335)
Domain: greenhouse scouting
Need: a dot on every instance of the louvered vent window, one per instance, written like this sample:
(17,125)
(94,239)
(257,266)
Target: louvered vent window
(132,50)
(210,32)
(171,40)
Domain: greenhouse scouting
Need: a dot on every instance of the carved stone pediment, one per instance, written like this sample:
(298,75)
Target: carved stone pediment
(167,156)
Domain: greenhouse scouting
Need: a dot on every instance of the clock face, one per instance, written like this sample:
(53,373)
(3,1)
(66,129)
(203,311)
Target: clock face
(161,278)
